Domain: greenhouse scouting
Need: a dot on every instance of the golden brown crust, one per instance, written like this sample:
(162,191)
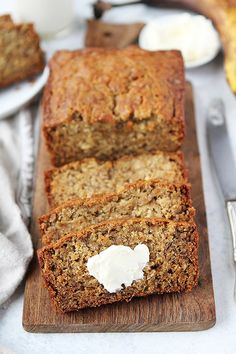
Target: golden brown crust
(47,182)
(5,20)
(166,66)
(97,295)
(91,112)
(24,47)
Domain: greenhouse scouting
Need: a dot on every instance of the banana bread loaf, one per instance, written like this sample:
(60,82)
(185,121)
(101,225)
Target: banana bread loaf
(145,199)
(20,53)
(106,103)
(172,266)
(89,177)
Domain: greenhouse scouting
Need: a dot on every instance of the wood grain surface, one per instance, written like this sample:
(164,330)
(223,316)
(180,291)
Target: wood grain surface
(173,312)
(110,35)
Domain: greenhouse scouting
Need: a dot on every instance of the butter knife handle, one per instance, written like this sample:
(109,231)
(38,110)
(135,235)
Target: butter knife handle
(231,210)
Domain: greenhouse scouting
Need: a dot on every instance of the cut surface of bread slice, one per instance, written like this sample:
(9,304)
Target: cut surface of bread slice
(145,199)
(90,177)
(20,53)
(172,266)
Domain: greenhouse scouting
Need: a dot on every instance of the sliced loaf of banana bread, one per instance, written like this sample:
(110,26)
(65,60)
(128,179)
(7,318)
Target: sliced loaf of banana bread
(145,199)
(172,265)
(89,177)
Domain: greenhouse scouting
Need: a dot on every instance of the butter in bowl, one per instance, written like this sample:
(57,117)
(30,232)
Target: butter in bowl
(194,35)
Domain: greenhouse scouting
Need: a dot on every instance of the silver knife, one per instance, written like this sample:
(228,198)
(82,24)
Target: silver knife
(225,165)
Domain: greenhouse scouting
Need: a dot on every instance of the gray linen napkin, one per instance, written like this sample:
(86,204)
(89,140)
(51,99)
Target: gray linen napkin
(16,173)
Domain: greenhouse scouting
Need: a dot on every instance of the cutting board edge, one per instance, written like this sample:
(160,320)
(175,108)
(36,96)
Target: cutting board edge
(167,327)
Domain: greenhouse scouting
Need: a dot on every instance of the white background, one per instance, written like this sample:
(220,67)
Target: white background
(209,82)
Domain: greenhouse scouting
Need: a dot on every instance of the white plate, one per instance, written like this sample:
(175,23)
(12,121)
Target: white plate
(12,98)
(163,22)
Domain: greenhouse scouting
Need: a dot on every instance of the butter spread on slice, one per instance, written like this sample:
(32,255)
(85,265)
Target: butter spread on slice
(118,266)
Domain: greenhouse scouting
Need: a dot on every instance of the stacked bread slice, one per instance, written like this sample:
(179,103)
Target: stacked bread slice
(146,199)
(140,198)
(90,177)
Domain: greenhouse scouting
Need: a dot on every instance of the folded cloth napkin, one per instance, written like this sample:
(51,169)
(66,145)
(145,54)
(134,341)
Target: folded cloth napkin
(16,171)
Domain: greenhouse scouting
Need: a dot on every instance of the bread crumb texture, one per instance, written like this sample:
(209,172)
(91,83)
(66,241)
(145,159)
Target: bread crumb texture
(173,265)
(90,177)
(20,53)
(146,199)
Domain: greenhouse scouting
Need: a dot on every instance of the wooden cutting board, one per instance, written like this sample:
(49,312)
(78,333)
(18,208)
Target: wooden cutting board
(177,312)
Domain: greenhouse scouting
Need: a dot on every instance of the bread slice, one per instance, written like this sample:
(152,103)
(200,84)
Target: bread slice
(20,53)
(89,177)
(146,199)
(108,102)
(173,264)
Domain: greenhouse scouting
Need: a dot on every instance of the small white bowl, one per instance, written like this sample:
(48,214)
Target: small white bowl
(162,25)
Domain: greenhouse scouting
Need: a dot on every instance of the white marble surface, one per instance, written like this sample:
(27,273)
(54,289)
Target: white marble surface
(209,82)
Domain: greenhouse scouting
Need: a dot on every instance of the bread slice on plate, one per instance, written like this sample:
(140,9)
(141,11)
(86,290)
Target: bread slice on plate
(90,177)
(172,265)
(145,199)
(20,54)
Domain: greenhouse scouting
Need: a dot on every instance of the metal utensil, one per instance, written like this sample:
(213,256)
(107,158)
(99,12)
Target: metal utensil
(224,163)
